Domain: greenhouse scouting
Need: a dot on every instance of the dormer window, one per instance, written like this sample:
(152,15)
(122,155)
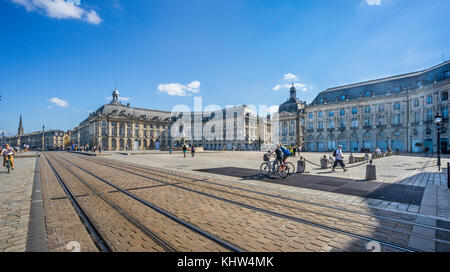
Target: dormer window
(343,97)
(321,101)
(397,89)
(368,93)
(447,74)
(419,83)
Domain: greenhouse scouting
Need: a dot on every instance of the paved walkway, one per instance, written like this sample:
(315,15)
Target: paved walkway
(403,169)
(15,200)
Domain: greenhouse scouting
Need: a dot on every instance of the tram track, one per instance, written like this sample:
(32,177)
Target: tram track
(269,212)
(149,233)
(189,178)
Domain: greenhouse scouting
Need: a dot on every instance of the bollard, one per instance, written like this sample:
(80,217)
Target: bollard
(371,172)
(324,162)
(448,175)
(301,166)
(366,157)
(351,159)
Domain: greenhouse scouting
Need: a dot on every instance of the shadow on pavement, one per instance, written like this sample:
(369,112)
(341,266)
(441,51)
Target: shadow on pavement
(376,190)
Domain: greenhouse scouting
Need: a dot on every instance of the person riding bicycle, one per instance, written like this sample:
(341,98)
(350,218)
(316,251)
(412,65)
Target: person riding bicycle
(279,156)
(8,152)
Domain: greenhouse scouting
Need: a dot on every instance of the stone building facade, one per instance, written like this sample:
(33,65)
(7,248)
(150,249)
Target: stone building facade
(115,126)
(291,120)
(395,112)
(49,139)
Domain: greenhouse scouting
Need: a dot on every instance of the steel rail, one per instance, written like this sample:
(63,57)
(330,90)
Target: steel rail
(190,226)
(152,235)
(288,217)
(96,237)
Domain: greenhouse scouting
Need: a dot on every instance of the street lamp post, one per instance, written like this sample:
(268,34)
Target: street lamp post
(438,123)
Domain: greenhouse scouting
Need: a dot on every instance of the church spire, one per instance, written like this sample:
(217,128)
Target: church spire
(20,130)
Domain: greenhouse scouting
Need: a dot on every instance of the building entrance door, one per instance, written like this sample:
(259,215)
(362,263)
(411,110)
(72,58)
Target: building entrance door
(157,145)
(136,145)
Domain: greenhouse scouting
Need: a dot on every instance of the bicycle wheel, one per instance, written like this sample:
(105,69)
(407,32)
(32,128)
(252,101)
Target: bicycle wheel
(291,168)
(283,171)
(264,169)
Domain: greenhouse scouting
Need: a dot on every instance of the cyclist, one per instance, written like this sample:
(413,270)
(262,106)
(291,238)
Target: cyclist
(8,151)
(279,156)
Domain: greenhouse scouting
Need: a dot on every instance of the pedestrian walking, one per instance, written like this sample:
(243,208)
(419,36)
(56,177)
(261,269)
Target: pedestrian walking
(193,151)
(184,150)
(339,158)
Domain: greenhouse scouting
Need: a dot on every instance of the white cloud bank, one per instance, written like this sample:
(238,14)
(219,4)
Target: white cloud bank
(177,89)
(298,86)
(291,77)
(58,102)
(60,9)
(373,2)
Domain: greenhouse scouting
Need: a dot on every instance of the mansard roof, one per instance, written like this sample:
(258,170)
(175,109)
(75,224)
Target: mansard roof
(121,111)
(383,86)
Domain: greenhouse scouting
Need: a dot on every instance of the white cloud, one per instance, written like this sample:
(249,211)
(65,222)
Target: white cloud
(49,107)
(273,109)
(373,2)
(290,77)
(177,89)
(59,102)
(288,86)
(60,9)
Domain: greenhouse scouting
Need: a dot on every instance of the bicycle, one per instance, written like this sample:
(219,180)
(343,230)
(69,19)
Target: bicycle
(283,170)
(8,163)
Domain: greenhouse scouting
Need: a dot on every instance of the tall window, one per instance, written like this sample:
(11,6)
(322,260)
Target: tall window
(367,109)
(444,96)
(445,112)
(429,99)
(354,110)
(310,125)
(416,103)
(396,106)
(429,114)
(381,120)
(320,114)
(331,123)
(397,119)
(380,108)
(367,121)
(320,125)
(354,123)
(342,112)
(342,123)
(331,114)
(417,117)
(310,115)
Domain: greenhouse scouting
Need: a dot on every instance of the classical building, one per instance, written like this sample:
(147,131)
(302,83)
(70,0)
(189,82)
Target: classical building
(395,112)
(291,120)
(115,126)
(49,139)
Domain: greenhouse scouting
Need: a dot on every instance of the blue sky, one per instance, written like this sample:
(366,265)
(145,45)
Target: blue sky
(59,61)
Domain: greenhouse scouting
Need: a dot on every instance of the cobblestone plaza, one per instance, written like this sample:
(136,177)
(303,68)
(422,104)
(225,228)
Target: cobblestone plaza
(150,200)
